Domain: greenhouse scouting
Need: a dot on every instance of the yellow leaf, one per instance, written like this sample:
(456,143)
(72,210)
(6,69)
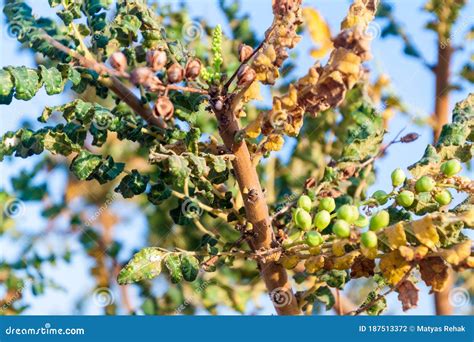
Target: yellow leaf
(425,232)
(314,263)
(254,128)
(370,253)
(457,253)
(274,142)
(319,31)
(338,247)
(253,92)
(413,253)
(345,262)
(393,267)
(396,236)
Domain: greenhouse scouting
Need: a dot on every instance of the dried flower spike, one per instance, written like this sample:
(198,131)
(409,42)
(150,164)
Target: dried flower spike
(175,73)
(245,51)
(118,61)
(156,59)
(246,76)
(193,69)
(163,108)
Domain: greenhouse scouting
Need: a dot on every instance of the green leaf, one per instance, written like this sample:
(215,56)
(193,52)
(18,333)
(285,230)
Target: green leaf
(325,296)
(6,87)
(189,267)
(159,192)
(52,80)
(26,82)
(84,164)
(146,264)
(108,170)
(173,264)
(132,184)
(59,143)
(335,278)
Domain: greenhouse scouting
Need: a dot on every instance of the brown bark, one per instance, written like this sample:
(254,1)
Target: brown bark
(440,118)
(442,72)
(273,274)
(442,303)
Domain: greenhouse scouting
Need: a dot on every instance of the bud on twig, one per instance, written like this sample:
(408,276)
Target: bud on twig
(175,73)
(156,59)
(246,76)
(410,137)
(163,108)
(193,69)
(145,77)
(118,61)
(245,52)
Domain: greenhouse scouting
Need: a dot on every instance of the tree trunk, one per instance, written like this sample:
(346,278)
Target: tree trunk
(440,118)
(442,72)
(256,208)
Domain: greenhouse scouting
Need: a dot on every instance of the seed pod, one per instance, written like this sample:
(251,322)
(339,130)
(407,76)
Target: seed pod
(193,69)
(156,59)
(163,108)
(145,77)
(410,137)
(245,51)
(175,73)
(246,76)
(118,61)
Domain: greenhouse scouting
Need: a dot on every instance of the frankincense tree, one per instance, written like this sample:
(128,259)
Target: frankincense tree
(190,109)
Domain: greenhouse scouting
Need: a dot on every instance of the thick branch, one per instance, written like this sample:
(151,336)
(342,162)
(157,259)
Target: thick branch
(274,275)
(442,71)
(110,81)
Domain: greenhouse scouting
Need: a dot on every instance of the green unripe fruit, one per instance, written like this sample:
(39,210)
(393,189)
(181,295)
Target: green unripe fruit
(398,177)
(328,204)
(369,239)
(380,196)
(425,184)
(348,213)
(341,228)
(313,239)
(302,219)
(322,219)
(304,202)
(405,198)
(451,167)
(443,197)
(361,222)
(379,220)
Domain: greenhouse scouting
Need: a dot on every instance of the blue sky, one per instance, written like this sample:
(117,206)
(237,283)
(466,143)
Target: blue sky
(414,83)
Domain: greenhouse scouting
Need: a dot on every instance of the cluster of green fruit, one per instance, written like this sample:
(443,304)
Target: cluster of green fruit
(348,215)
(405,198)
